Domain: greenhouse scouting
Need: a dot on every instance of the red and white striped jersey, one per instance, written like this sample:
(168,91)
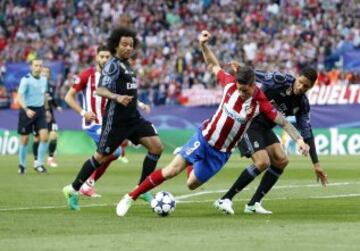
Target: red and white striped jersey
(234,115)
(86,82)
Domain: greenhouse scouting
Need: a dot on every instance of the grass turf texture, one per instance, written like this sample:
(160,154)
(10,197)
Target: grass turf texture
(34,216)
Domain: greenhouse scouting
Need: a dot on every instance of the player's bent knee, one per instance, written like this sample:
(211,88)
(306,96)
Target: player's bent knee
(156,148)
(159,148)
(99,157)
(193,184)
(281,162)
(262,164)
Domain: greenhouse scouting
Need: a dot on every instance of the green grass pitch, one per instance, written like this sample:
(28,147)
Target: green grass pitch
(33,214)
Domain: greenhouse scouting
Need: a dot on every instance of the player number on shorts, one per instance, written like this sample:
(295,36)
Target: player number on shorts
(192,149)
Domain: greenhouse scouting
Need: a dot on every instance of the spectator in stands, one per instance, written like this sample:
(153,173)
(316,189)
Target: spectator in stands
(285,35)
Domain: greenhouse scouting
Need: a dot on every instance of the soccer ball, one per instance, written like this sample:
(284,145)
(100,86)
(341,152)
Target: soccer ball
(163,203)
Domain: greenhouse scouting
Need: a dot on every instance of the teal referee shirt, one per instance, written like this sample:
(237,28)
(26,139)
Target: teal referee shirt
(32,90)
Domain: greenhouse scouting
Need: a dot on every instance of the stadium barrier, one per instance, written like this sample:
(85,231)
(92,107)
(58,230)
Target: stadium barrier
(332,141)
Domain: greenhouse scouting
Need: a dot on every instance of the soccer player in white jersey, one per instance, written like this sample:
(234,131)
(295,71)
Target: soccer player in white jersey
(211,146)
(92,110)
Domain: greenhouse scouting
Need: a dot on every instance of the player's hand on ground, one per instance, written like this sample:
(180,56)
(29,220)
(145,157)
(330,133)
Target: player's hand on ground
(320,175)
(30,113)
(303,147)
(124,99)
(204,37)
(89,116)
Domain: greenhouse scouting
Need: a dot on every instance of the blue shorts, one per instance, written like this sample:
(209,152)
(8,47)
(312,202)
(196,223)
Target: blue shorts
(206,160)
(94,133)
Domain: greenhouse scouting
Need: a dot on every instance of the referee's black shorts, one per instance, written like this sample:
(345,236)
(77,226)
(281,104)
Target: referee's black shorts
(112,135)
(27,125)
(256,139)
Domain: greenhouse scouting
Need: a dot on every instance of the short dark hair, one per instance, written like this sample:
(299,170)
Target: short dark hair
(116,35)
(310,73)
(102,47)
(245,75)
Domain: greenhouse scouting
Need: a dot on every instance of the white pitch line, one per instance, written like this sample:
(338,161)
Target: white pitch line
(280,198)
(50,207)
(185,196)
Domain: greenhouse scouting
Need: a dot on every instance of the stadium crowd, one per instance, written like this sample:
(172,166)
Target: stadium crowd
(270,35)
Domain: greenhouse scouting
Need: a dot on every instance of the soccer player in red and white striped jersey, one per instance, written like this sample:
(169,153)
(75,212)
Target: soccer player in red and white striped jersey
(92,110)
(211,146)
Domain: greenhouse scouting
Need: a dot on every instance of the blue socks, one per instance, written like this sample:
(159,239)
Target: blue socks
(22,155)
(43,146)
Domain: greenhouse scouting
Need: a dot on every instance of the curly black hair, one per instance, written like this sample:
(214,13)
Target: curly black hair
(310,73)
(116,35)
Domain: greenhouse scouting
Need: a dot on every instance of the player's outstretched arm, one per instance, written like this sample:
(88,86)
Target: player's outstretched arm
(70,99)
(293,133)
(209,56)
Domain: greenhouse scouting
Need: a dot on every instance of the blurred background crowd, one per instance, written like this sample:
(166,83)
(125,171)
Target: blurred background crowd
(281,35)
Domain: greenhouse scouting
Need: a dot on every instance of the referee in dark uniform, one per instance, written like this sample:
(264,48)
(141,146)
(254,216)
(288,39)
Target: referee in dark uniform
(121,119)
(51,122)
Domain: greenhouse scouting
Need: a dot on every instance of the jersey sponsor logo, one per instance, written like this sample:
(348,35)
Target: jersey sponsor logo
(130,86)
(234,115)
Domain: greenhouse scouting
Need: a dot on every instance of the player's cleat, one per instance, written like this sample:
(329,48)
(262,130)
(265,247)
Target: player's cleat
(124,205)
(224,206)
(21,170)
(40,169)
(89,192)
(148,197)
(72,198)
(123,159)
(256,209)
(52,162)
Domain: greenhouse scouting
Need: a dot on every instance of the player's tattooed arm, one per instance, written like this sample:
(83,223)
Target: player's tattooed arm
(106,93)
(209,56)
(287,126)
(293,133)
